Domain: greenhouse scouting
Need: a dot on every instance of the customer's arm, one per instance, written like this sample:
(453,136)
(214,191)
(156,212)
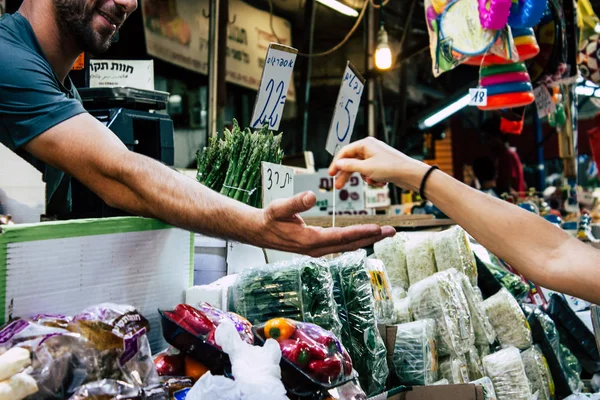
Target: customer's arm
(542,252)
(84,148)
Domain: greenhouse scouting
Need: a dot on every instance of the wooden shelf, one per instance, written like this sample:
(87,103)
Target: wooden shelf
(399,222)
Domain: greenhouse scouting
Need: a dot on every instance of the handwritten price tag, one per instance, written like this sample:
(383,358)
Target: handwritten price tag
(478,97)
(543,101)
(346,108)
(274,84)
(277,182)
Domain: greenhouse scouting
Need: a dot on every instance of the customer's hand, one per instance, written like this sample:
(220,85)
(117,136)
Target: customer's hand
(282,228)
(377,163)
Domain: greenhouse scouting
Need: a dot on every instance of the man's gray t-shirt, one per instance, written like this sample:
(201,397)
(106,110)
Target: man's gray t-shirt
(33,100)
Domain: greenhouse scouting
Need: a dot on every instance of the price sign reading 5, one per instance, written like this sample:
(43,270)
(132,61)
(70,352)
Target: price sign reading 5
(274,84)
(346,108)
(277,182)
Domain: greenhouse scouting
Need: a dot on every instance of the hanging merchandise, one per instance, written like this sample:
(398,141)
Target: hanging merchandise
(524,47)
(493,14)
(512,120)
(508,86)
(588,59)
(557,118)
(526,13)
(415,354)
(456,33)
(587,20)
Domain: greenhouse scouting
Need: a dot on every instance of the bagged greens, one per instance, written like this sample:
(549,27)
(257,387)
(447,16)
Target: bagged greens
(300,289)
(488,388)
(420,259)
(440,297)
(415,355)
(508,320)
(538,373)
(452,250)
(382,292)
(391,252)
(454,369)
(484,331)
(356,306)
(474,365)
(506,370)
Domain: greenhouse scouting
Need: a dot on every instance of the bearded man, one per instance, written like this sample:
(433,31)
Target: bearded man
(43,120)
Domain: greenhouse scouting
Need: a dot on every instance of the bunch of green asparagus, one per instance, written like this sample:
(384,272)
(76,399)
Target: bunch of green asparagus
(231,165)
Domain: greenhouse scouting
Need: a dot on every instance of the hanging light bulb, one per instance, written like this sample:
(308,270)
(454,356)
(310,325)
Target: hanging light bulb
(383,54)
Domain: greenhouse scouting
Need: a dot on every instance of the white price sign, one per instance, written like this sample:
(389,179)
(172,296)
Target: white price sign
(277,182)
(273,88)
(543,101)
(346,108)
(478,97)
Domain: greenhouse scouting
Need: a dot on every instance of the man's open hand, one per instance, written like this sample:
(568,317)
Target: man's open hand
(283,229)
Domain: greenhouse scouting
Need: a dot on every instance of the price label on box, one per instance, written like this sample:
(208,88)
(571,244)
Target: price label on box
(346,109)
(478,97)
(543,101)
(277,182)
(274,84)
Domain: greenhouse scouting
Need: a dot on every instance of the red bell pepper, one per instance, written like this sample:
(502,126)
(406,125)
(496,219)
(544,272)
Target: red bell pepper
(295,351)
(317,350)
(194,318)
(331,343)
(180,321)
(210,338)
(328,370)
(347,362)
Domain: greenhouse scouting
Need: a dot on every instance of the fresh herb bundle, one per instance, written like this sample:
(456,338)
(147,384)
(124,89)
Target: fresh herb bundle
(232,165)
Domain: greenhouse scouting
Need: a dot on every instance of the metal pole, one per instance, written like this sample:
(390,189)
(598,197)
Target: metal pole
(213,51)
(370,63)
(310,13)
(539,142)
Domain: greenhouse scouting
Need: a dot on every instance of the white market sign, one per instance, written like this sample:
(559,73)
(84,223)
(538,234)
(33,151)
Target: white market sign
(177,32)
(122,73)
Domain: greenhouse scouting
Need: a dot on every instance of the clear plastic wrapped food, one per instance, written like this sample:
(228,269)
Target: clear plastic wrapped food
(441,382)
(392,253)
(356,306)
(415,355)
(111,389)
(488,388)
(474,365)
(311,349)
(402,309)
(441,298)
(300,289)
(506,370)
(454,369)
(484,331)
(420,259)
(538,373)
(452,250)
(508,320)
(382,291)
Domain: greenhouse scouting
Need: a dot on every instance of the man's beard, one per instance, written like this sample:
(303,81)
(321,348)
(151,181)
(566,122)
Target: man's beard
(74,19)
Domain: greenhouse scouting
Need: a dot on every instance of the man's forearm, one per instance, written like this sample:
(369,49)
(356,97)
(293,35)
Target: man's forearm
(180,200)
(543,253)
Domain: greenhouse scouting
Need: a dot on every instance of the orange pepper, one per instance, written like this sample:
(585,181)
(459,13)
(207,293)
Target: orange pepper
(194,369)
(279,328)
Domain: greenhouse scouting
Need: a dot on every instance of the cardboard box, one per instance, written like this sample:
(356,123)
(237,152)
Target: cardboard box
(441,392)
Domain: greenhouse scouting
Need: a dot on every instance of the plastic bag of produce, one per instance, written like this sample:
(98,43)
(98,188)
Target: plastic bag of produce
(441,298)
(506,370)
(508,280)
(401,306)
(311,349)
(484,331)
(356,306)
(420,259)
(392,253)
(452,250)
(474,365)
(565,376)
(415,355)
(488,388)
(508,320)
(538,373)
(301,289)
(454,368)
(382,291)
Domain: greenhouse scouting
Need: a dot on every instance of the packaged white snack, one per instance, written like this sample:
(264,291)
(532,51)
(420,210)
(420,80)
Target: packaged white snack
(415,354)
(484,331)
(508,320)
(506,370)
(420,259)
(452,250)
(391,252)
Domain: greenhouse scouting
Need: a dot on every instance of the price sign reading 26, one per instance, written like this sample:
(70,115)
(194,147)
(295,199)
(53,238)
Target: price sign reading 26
(346,108)
(274,84)
(277,182)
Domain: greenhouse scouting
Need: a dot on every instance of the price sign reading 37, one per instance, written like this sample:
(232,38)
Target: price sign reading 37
(274,84)
(346,108)
(277,182)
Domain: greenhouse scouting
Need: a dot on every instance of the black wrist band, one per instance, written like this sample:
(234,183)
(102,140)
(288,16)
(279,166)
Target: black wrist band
(422,188)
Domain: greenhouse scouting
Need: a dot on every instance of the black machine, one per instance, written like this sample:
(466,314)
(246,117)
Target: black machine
(137,117)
